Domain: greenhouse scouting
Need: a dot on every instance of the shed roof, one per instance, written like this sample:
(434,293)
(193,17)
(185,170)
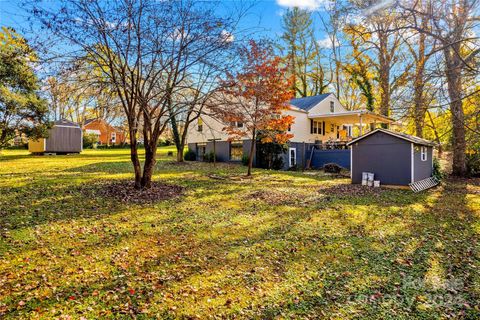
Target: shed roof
(400,135)
(65,123)
(308,103)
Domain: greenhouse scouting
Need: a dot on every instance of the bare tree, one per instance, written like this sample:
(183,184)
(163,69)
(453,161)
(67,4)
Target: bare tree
(380,32)
(143,49)
(450,23)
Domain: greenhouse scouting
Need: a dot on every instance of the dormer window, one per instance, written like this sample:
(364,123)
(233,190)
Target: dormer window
(200,125)
(332,106)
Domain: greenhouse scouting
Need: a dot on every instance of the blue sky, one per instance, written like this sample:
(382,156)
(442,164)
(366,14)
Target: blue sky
(265,16)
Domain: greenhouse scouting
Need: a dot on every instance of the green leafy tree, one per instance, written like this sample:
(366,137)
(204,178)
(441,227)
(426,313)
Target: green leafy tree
(21,108)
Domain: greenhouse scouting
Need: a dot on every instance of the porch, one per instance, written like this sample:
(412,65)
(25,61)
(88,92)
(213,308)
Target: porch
(339,128)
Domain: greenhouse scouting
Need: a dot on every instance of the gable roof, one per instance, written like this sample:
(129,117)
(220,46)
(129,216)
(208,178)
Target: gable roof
(65,123)
(89,121)
(400,135)
(308,103)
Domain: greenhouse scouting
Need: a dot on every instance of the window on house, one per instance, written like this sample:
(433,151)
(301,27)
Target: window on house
(114,137)
(348,128)
(200,125)
(289,127)
(332,106)
(317,127)
(239,124)
(423,153)
(236,151)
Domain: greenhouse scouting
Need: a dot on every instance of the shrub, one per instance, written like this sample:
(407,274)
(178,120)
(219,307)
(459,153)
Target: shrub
(209,157)
(437,172)
(90,140)
(269,155)
(245,159)
(473,164)
(190,155)
(332,168)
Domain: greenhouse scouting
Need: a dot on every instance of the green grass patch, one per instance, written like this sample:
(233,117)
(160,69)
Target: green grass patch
(283,245)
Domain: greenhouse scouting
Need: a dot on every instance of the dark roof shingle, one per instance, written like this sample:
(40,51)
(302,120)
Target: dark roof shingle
(307,103)
(400,135)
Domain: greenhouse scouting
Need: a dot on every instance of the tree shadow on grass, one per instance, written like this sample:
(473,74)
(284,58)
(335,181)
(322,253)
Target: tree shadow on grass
(427,270)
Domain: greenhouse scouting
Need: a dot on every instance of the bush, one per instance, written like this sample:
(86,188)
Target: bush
(332,168)
(90,140)
(269,155)
(473,164)
(190,155)
(437,171)
(209,157)
(245,159)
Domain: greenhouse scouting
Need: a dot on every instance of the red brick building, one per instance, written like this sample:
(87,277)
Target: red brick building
(107,134)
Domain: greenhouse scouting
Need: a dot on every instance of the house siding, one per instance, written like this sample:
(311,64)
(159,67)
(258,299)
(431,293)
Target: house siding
(422,169)
(222,149)
(106,131)
(388,157)
(64,139)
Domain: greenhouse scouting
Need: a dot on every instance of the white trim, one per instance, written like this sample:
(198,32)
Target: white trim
(59,125)
(81,140)
(351,162)
(412,163)
(432,159)
(290,157)
(93,131)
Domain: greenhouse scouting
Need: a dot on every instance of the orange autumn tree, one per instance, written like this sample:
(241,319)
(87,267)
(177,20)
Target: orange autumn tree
(252,100)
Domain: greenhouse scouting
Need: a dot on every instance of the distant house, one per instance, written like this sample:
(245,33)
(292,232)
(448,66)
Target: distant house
(320,122)
(64,137)
(394,158)
(106,133)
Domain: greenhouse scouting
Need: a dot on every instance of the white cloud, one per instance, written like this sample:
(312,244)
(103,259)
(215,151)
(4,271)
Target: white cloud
(227,36)
(327,43)
(379,6)
(303,4)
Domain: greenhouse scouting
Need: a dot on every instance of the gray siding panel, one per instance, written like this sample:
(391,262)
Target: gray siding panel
(63,139)
(246,150)
(422,169)
(222,149)
(386,156)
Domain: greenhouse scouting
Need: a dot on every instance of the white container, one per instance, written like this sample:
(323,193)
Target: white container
(376,183)
(365,176)
(370,183)
(364,182)
(370,176)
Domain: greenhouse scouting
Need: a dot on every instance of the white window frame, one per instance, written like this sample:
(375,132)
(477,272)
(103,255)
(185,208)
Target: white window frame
(290,157)
(113,137)
(423,153)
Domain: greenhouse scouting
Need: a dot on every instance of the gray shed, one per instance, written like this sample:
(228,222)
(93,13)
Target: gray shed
(395,158)
(64,137)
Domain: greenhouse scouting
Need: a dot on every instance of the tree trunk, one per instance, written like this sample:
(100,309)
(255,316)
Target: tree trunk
(179,143)
(148,167)
(418,87)
(453,74)
(134,157)
(250,157)
(384,77)
(180,149)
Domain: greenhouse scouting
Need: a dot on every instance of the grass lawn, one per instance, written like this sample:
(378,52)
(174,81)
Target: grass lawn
(280,245)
